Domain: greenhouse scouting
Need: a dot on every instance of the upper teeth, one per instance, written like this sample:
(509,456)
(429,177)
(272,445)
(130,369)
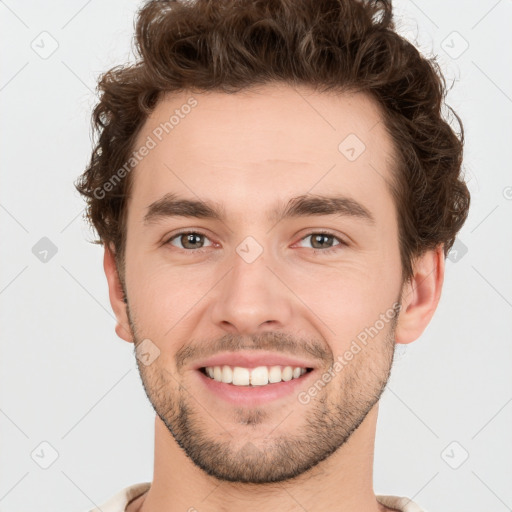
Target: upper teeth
(259,376)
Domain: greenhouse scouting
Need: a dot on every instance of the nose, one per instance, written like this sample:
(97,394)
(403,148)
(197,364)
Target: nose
(251,298)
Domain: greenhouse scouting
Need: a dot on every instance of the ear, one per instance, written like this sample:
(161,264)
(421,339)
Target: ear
(420,295)
(115,292)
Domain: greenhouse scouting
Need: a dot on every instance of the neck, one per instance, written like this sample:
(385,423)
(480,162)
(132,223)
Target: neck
(343,482)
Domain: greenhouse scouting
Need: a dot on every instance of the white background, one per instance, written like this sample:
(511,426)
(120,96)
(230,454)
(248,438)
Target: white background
(67,380)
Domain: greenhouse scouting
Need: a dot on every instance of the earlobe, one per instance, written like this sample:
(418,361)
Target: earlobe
(116,295)
(421,295)
(123,333)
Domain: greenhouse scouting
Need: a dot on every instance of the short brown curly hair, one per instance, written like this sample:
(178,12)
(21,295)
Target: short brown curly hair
(340,45)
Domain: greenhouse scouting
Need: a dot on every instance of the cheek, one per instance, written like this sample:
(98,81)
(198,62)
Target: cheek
(164,298)
(342,301)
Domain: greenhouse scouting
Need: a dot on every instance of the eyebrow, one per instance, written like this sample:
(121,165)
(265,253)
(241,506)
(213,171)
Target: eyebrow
(171,205)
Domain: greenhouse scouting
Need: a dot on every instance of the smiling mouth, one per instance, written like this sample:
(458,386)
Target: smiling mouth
(253,377)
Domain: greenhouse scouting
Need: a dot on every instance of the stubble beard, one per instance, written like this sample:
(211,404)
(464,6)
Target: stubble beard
(325,423)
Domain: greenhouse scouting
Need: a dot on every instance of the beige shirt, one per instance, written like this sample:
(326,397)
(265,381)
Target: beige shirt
(119,501)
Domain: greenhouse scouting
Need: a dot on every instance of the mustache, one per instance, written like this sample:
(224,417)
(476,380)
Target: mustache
(282,343)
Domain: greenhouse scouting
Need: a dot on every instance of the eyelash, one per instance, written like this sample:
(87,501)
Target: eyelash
(342,243)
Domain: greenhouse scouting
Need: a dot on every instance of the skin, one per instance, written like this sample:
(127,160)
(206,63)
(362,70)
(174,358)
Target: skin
(249,151)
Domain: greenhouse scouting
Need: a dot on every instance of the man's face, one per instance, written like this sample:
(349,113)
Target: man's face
(302,287)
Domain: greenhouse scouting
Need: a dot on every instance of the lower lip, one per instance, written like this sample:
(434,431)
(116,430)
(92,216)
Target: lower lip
(254,395)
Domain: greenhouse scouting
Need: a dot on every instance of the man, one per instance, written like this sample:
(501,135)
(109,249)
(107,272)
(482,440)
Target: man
(276,191)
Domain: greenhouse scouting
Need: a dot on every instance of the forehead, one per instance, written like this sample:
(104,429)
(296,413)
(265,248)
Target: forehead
(251,147)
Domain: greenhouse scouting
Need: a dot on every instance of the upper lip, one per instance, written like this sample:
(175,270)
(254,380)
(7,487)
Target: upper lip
(252,360)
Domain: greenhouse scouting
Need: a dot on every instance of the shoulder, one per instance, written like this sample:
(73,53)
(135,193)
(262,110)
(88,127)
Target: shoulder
(399,503)
(119,501)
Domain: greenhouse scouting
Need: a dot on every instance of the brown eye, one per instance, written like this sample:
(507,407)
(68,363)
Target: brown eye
(321,241)
(324,242)
(188,240)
